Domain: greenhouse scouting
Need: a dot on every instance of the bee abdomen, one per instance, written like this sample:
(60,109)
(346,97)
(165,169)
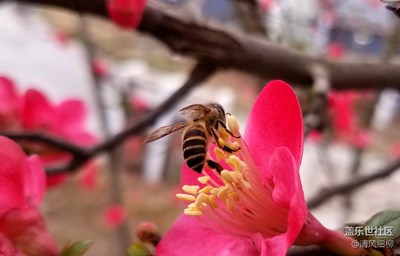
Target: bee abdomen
(194,149)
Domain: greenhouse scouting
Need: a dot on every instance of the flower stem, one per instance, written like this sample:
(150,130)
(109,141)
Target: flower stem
(314,233)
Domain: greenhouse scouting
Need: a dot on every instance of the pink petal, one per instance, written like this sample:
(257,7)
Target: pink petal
(88,176)
(7,248)
(38,113)
(126,13)
(12,169)
(190,236)
(9,99)
(188,176)
(274,121)
(55,180)
(35,181)
(27,230)
(100,67)
(71,114)
(287,193)
(114,216)
(61,38)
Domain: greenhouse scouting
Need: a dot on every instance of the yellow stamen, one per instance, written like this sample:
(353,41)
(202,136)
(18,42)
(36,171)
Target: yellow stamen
(202,198)
(221,142)
(204,179)
(219,153)
(226,176)
(222,193)
(192,206)
(212,199)
(205,190)
(224,134)
(190,189)
(233,125)
(235,162)
(192,212)
(186,197)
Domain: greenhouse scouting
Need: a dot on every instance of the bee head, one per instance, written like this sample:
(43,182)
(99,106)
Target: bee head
(219,109)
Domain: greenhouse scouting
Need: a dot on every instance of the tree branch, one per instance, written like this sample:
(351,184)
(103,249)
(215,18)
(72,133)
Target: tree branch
(201,72)
(353,184)
(315,117)
(238,51)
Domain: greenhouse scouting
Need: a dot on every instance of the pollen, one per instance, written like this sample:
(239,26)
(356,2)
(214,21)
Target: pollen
(186,197)
(204,179)
(234,197)
(190,189)
(233,125)
(219,154)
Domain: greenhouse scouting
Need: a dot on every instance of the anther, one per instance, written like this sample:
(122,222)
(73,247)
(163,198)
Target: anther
(223,134)
(190,189)
(226,176)
(233,125)
(204,179)
(235,161)
(205,190)
(221,143)
(186,197)
(202,198)
(192,212)
(219,153)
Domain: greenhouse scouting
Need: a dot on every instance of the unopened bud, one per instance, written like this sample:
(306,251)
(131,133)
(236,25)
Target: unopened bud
(148,232)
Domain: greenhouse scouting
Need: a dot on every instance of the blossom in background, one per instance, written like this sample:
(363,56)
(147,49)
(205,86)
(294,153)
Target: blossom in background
(126,13)
(22,228)
(114,216)
(33,112)
(100,67)
(10,105)
(342,108)
(255,206)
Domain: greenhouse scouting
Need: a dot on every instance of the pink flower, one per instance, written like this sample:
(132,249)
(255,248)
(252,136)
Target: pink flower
(100,67)
(342,107)
(114,216)
(61,38)
(335,50)
(10,104)
(34,112)
(126,13)
(65,120)
(22,228)
(255,206)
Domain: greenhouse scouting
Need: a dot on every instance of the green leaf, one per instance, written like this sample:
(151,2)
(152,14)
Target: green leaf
(138,249)
(388,219)
(77,248)
(375,253)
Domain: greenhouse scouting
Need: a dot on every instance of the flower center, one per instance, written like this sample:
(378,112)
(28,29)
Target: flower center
(238,200)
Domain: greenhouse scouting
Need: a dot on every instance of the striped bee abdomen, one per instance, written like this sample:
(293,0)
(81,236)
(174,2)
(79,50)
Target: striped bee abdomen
(195,147)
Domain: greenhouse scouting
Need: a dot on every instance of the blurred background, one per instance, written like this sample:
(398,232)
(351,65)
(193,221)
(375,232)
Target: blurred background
(121,76)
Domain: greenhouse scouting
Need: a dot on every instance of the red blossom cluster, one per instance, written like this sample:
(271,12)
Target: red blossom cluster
(23,185)
(33,112)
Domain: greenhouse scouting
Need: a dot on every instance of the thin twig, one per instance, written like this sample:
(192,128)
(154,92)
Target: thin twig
(200,73)
(242,52)
(248,12)
(315,117)
(353,184)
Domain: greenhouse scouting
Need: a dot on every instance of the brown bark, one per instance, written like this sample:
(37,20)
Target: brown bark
(241,52)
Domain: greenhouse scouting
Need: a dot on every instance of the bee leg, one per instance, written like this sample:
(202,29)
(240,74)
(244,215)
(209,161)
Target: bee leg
(230,150)
(223,147)
(214,165)
(220,122)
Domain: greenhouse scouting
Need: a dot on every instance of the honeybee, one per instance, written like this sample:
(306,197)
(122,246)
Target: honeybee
(202,124)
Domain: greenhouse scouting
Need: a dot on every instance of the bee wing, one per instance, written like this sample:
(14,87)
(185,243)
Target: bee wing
(164,131)
(194,111)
